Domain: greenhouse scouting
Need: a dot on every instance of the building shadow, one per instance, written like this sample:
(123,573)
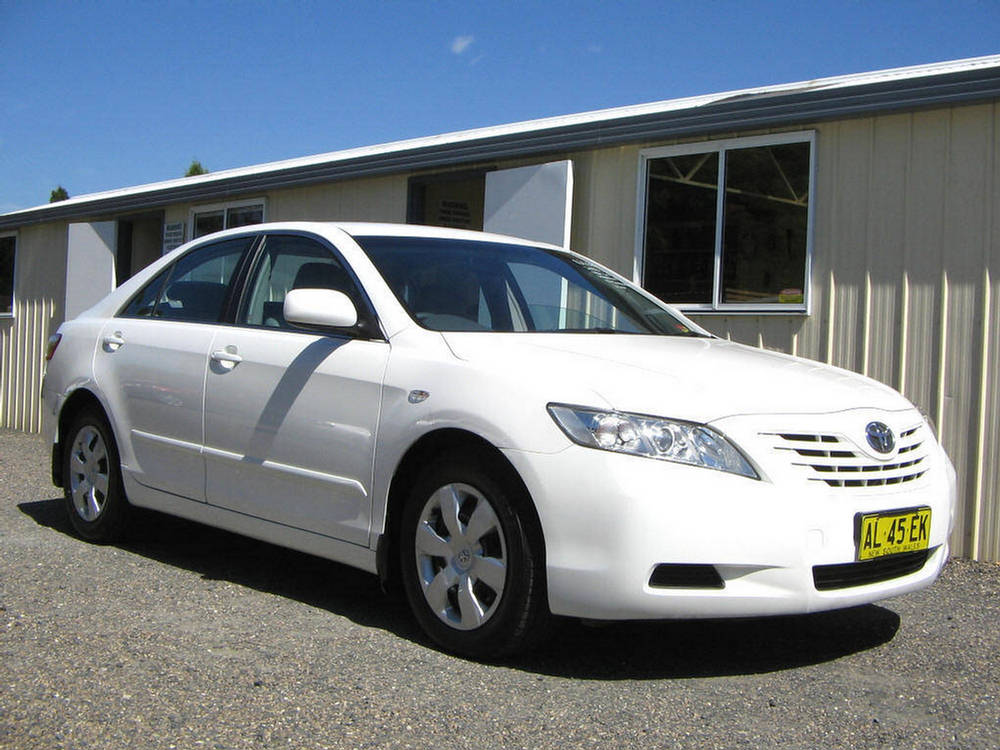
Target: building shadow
(614,651)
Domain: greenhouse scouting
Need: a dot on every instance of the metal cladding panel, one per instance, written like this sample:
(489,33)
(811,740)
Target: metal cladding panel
(371,199)
(884,243)
(905,279)
(40,271)
(604,203)
(988,435)
(986,488)
(967,219)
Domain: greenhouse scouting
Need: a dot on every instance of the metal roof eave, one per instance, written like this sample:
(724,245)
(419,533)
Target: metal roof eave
(747,112)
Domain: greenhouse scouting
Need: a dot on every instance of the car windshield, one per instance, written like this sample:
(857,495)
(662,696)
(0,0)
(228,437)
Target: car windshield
(466,285)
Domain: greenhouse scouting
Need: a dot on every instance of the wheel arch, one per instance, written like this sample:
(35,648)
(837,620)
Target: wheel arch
(427,448)
(80,399)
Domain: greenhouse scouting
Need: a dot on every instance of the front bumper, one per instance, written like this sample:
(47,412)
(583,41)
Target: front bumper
(609,520)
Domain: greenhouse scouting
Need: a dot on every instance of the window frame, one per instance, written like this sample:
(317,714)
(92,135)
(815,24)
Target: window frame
(13,279)
(721,146)
(368,327)
(224,208)
(237,279)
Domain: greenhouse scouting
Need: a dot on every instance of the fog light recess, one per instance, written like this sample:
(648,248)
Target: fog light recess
(685,576)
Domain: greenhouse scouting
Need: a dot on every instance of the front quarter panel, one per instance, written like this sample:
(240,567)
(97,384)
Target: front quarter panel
(507,408)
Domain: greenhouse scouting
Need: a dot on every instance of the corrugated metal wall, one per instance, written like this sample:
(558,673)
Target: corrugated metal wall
(905,284)
(40,280)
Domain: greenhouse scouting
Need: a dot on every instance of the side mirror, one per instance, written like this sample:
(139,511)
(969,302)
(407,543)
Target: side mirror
(320,307)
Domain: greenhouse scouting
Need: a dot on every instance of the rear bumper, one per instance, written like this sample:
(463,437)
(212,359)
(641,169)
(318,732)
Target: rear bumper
(51,404)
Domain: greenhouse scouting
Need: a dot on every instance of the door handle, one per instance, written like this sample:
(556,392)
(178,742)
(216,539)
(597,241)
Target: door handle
(112,342)
(227,357)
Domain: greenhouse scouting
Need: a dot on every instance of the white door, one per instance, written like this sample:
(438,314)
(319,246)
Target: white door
(90,265)
(290,428)
(151,364)
(533,202)
(291,416)
(153,373)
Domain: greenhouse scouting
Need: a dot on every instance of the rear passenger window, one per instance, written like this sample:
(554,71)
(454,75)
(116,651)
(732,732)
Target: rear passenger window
(196,287)
(143,303)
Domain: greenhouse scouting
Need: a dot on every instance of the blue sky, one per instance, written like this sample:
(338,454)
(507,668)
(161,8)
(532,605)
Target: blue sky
(96,96)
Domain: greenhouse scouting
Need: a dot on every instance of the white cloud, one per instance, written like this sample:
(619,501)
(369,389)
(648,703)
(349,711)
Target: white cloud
(461,43)
(595,49)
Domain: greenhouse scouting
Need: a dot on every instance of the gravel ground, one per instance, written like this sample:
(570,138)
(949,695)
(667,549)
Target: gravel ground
(189,637)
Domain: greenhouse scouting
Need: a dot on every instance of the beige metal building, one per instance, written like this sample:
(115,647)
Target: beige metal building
(853,220)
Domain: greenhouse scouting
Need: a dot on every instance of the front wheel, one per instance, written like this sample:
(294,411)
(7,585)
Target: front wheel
(472,559)
(95,498)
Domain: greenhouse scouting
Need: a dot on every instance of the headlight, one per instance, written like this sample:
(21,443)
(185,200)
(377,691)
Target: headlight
(665,439)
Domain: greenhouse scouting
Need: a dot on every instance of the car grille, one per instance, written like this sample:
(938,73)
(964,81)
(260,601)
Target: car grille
(847,575)
(830,459)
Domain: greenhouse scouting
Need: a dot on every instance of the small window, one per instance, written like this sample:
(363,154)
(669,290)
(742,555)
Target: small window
(143,303)
(208,219)
(292,263)
(7,248)
(194,288)
(728,224)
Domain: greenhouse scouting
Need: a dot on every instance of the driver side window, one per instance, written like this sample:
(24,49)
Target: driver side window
(287,263)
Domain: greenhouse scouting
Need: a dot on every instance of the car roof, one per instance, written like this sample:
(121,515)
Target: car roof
(386,229)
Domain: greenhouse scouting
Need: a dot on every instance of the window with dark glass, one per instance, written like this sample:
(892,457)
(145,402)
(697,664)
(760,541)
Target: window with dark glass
(144,302)
(463,285)
(7,247)
(216,218)
(194,288)
(287,263)
(728,226)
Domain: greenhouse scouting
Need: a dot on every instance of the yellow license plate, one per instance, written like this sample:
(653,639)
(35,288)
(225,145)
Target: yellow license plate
(891,532)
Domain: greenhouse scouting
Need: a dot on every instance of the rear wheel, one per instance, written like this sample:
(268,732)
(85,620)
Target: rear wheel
(472,559)
(95,498)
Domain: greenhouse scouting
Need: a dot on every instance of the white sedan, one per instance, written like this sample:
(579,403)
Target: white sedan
(509,429)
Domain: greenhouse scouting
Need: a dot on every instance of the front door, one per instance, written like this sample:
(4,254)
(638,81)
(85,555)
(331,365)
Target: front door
(291,416)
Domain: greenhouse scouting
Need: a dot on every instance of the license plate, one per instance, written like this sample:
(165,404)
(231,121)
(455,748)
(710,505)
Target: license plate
(891,532)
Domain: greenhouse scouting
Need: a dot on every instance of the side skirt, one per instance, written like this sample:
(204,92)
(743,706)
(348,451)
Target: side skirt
(275,533)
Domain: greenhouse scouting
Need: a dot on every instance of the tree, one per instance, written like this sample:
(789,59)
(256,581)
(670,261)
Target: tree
(59,194)
(195,169)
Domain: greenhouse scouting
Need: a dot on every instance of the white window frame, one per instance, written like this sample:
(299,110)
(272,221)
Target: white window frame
(13,280)
(717,306)
(224,207)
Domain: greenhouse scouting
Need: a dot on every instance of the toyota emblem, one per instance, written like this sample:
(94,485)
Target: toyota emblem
(880,437)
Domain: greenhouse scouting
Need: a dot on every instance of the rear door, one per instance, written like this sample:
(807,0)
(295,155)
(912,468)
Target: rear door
(291,415)
(151,364)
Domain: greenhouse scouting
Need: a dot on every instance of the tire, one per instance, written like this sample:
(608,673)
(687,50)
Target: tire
(92,479)
(471,557)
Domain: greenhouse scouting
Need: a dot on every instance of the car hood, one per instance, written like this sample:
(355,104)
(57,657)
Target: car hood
(698,379)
